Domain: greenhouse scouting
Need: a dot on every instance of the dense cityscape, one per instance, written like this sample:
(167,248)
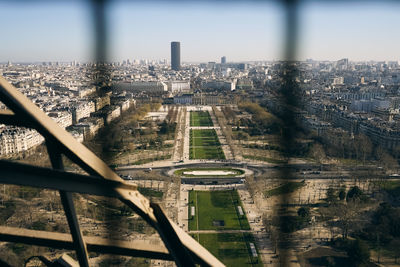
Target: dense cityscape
(357,97)
(206,142)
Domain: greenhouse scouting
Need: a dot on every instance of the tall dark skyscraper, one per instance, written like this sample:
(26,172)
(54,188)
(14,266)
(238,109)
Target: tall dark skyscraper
(223,60)
(175,55)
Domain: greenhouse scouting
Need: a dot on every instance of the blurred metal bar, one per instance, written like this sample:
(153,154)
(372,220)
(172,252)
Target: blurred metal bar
(291,30)
(100,23)
(135,248)
(290,98)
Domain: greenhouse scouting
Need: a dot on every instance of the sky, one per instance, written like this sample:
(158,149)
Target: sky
(239,30)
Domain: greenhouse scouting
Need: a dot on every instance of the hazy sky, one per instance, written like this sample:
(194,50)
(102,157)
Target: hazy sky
(63,31)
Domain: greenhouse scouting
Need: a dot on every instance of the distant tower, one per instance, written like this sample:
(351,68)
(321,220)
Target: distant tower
(223,60)
(175,55)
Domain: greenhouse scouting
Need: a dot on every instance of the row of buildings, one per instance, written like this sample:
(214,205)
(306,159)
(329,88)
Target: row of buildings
(66,95)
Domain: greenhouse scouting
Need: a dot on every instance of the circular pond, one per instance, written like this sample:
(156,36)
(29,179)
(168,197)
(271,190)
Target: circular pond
(209,172)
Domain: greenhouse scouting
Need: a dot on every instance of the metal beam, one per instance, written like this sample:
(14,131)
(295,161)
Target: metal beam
(8,117)
(135,248)
(69,207)
(175,247)
(63,143)
(24,108)
(23,174)
(70,213)
(27,175)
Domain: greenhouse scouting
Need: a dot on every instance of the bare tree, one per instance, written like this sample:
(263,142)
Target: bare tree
(343,215)
(317,152)
(365,146)
(388,162)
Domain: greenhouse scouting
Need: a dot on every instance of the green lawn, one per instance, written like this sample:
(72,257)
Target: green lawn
(204,144)
(214,206)
(200,118)
(286,188)
(205,141)
(203,133)
(201,152)
(231,249)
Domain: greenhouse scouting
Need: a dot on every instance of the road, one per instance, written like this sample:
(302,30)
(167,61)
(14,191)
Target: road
(177,155)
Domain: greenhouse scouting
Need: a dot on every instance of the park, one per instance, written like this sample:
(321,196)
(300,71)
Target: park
(204,144)
(228,236)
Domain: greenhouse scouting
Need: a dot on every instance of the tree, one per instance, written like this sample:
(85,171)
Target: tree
(386,220)
(131,147)
(394,247)
(304,212)
(388,162)
(317,152)
(354,193)
(365,146)
(358,252)
(242,136)
(379,151)
(342,193)
(343,215)
(331,195)
(396,152)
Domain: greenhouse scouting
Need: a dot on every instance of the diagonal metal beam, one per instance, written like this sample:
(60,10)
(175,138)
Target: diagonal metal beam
(175,247)
(70,213)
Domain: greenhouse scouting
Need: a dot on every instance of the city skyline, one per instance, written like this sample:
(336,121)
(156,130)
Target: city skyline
(241,32)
